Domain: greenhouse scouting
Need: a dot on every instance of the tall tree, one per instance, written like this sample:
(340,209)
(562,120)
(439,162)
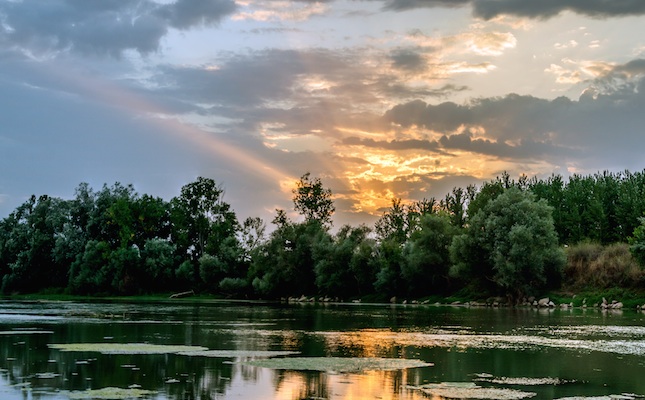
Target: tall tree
(199,212)
(510,246)
(313,201)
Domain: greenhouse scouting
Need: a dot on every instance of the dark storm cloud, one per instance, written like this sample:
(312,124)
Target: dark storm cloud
(102,27)
(538,9)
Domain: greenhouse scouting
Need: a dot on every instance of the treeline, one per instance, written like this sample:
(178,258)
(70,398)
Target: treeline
(505,237)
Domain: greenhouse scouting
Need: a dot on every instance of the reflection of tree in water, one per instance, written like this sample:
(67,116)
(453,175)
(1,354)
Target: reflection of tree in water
(300,385)
(367,385)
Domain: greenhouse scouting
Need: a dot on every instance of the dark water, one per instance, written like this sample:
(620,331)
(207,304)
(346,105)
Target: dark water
(594,353)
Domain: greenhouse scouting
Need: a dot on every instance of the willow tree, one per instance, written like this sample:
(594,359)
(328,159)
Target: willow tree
(510,246)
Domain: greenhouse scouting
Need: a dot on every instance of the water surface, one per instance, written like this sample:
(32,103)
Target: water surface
(547,353)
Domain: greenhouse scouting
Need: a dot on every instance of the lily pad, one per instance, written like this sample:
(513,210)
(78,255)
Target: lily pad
(467,390)
(338,364)
(126,348)
(238,353)
(110,393)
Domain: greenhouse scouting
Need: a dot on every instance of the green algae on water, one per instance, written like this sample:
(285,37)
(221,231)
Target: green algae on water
(125,348)
(110,393)
(469,390)
(338,364)
(238,353)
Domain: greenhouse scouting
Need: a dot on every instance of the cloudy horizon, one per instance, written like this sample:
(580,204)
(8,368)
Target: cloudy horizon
(379,98)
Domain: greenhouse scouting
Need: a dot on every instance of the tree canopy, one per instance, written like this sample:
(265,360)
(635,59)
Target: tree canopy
(505,237)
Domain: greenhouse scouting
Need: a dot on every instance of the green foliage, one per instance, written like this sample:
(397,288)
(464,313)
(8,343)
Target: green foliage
(185,274)
(159,263)
(343,263)
(284,265)
(511,243)
(234,286)
(201,219)
(313,201)
(387,262)
(637,242)
(427,256)
(115,241)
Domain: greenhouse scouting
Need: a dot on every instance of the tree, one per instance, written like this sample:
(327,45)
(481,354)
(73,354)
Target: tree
(313,201)
(427,256)
(284,265)
(510,246)
(195,211)
(637,242)
(27,249)
(343,268)
(394,223)
(251,235)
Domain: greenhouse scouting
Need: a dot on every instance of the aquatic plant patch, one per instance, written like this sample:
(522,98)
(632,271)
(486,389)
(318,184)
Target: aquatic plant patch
(522,381)
(462,342)
(125,348)
(110,393)
(338,364)
(623,396)
(238,353)
(469,390)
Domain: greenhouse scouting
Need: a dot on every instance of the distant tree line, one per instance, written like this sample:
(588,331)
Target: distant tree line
(505,237)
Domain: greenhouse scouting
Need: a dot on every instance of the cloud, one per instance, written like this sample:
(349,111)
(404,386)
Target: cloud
(488,9)
(397,145)
(543,9)
(296,79)
(106,27)
(278,10)
(408,60)
(400,5)
(603,123)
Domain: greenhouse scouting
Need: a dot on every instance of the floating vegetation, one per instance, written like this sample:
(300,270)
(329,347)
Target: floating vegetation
(238,353)
(338,364)
(47,375)
(126,348)
(465,341)
(521,381)
(469,390)
(110,393)
(623,396)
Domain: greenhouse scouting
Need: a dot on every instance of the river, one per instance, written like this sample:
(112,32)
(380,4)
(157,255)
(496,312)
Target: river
(251,350)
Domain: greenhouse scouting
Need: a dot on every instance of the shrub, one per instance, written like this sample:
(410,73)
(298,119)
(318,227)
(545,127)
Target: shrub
(591,265)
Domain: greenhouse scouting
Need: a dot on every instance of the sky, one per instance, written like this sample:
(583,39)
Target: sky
(380,99)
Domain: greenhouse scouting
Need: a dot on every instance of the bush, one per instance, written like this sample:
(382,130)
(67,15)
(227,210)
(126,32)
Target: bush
(591,265)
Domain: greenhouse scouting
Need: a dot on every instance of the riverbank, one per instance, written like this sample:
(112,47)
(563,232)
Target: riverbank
(613,298)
